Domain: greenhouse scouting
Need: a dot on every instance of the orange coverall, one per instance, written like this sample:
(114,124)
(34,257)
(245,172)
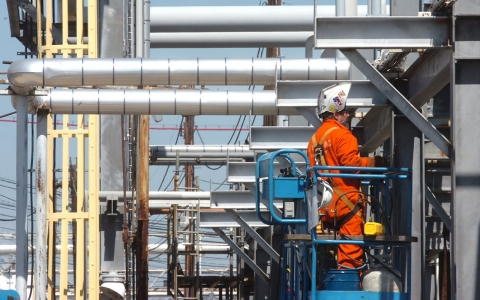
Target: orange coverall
(341,149)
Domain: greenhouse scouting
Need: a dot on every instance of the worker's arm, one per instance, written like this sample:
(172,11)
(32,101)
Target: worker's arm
(347,151)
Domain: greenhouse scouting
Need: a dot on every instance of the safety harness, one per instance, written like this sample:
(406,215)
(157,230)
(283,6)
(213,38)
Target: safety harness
(319,156)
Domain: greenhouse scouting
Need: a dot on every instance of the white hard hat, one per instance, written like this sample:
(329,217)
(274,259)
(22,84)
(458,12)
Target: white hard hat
(334,98)
(325,193)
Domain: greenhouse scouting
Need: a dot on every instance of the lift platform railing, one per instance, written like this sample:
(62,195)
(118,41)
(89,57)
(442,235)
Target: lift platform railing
(301,247)
(270,186)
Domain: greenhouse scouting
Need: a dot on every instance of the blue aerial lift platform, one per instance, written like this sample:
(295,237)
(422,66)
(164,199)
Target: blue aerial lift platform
(306,274)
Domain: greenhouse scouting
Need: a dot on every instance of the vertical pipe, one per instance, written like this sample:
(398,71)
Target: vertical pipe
(376,8)
(139,28)
(340,8)
(41,240)
(21,209)
(174,252)
(146,28)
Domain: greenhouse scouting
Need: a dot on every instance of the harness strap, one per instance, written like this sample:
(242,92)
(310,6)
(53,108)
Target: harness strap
(355,209)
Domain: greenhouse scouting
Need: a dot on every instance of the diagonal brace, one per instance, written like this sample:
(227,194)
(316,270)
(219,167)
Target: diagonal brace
(242,254)
(251,232)
(399,100)
(438,208)
(310,116)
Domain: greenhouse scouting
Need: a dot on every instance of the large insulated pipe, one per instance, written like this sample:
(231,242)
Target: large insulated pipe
(228,18)
(164,102)
(238,18)
(249,39)
(141,72)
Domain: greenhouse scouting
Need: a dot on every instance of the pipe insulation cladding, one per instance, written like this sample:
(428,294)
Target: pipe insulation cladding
(159,102)
(152,72)
(215,19)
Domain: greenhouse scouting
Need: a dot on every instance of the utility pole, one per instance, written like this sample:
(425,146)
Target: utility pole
(189,129)
(143,211)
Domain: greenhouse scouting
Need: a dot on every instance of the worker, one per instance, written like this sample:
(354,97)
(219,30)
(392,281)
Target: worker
(334,145)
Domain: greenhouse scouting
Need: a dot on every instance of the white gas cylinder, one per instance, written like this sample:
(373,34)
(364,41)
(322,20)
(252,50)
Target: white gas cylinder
(381,280)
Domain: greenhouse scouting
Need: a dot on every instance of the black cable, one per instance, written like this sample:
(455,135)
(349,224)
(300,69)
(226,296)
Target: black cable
(240,130)
(198,133)
(213,168)
(220,185)
(235,130)
(9,114)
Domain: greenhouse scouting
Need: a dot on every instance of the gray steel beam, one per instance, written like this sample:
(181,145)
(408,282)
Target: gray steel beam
(243,255)
(438,208)
(220,219)
(465,82)
(243,172)
(410,200)
(427,76)
(32,12)
(382,32)
(236,200)
(273,138)
(398,100)
(377,127)
(305,93)
(310,116)
(253,234)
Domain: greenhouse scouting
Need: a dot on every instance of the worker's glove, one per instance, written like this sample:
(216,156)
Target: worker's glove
(380,161)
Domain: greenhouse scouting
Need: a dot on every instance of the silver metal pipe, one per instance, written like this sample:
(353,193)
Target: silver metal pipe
(227,149)
(165,102)
(238,18)
(224,155)
(249,39)
(41,234)
(140,72)
(228,18)
(194,161)
(376,8)
(152,248)
(201,151)
(154,195)
(146,28)
(21,197)
(139,29)
(340,8)
(351,7)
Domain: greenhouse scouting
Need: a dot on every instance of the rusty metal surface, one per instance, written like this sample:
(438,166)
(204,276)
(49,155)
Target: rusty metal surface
(141,243)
